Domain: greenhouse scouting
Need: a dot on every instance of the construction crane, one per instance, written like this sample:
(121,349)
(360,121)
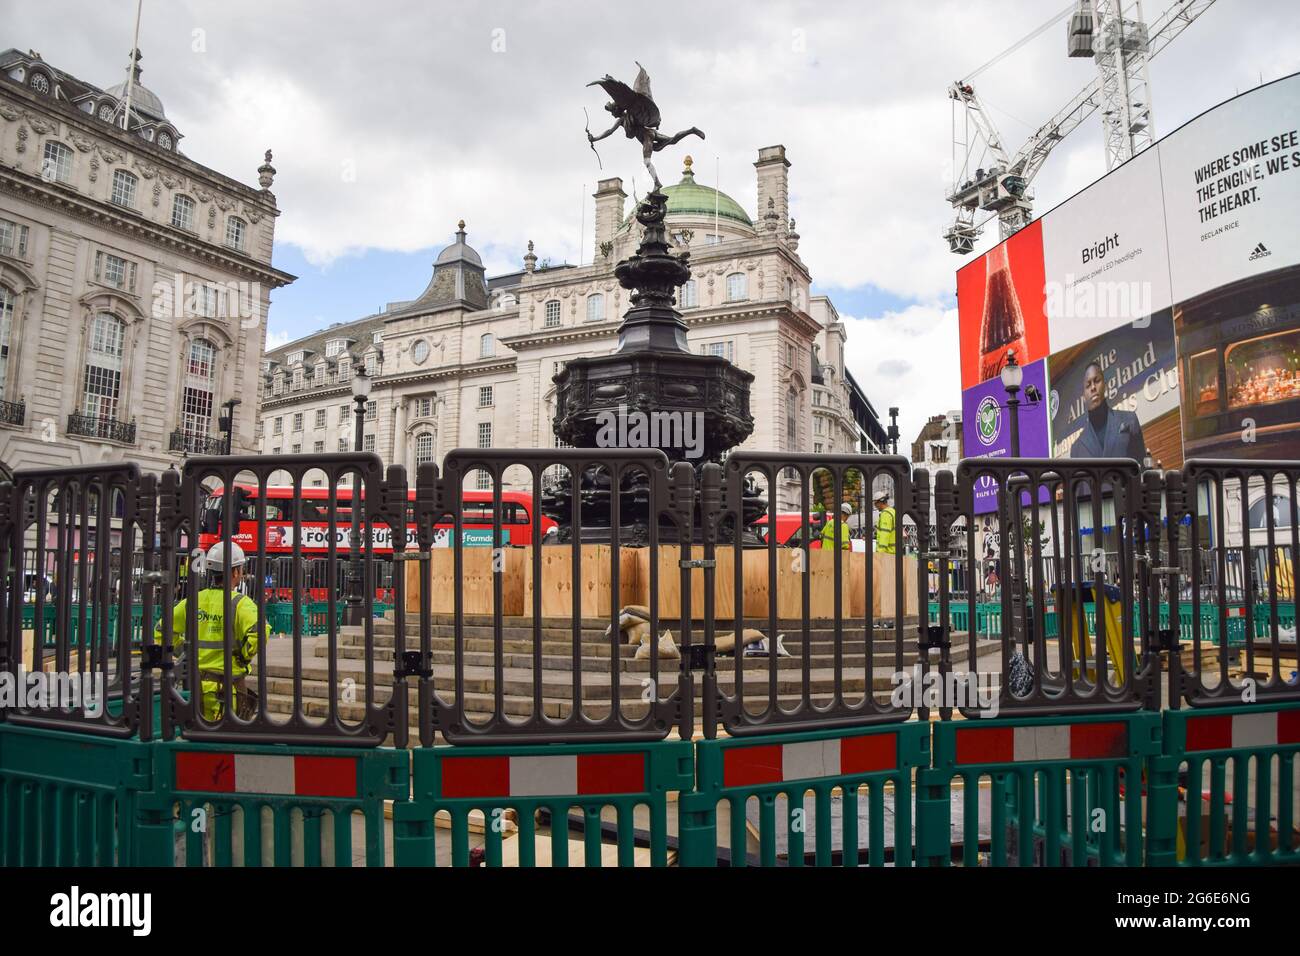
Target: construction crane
(1120,42)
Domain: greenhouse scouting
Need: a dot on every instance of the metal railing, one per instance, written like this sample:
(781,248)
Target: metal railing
(13,413)
(194,444)
(97,426)
(600,621)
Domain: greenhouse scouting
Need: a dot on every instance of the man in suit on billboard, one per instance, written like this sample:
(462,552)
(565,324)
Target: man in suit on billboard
(1107,432)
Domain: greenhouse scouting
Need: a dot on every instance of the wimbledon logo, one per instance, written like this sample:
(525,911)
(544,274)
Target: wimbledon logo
(988,420)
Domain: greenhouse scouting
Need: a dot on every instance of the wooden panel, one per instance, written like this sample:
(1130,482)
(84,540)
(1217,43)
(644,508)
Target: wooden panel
(884,596)
(595,569)
(476,581)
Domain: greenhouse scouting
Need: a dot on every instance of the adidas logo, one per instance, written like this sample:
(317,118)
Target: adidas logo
(1259,252)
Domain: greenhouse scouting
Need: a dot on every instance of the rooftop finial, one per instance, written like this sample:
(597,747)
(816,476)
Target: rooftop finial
(460,230)
(266,172)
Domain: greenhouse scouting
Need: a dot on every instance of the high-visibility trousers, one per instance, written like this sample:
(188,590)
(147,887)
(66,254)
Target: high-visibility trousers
(1114,612)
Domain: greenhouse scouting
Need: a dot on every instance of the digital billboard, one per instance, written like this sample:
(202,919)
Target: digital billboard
(1167,304)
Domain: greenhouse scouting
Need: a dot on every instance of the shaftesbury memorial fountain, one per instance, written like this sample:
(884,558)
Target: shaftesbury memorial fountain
(652,374)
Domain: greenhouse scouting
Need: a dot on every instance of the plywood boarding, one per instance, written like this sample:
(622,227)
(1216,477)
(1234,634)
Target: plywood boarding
(476,581)
(595,574)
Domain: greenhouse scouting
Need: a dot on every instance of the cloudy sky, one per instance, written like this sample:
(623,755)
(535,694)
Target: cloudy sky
(391,120)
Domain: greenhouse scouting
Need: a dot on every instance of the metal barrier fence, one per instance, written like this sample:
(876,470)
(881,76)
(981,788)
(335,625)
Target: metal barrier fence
(617,790)
(1039,790)
(860,781)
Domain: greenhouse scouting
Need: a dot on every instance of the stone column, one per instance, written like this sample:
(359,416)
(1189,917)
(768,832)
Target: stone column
(609,198)
(773,183)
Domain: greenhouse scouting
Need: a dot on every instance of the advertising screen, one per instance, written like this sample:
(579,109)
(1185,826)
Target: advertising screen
(1165,297)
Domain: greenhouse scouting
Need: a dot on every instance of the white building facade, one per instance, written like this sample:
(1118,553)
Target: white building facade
(134,282)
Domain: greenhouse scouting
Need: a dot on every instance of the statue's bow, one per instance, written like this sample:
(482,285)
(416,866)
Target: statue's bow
(591,142)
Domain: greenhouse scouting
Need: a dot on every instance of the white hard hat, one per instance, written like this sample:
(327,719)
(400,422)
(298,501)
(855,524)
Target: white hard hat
(216,556)
(847,508)
(881,496)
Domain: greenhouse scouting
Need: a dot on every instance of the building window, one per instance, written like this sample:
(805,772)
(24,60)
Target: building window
(277,384)
(278,427)
(552,313)
(345,369)
(57,165)
(817,447)
(939,453)
(420,352)
(296,358)
(297,449)
(115,271)
(423,448)
(235,230)
(372,364)
(817,425)
(368,443)
(484,434)
(343,444)
(372,410)
(484,396)
(333,347)
(123,193)
(297,378)
(484,481)
(183,212)
(720,349)
(737,287)
(423,407)
(322,372)
(275,451)
(320,418)
(791,419)
(39,82)
(196,401)
(689,295)
(7,300)
(318,448)
(13,239)
(376,338)
(297,421)
(596,307)
(711,240)
(103,379)
(486,346)
(343,414)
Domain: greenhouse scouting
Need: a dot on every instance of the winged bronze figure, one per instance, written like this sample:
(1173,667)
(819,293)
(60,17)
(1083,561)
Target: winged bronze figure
(635,112)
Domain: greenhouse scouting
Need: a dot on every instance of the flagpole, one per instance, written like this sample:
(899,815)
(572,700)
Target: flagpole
(130,67)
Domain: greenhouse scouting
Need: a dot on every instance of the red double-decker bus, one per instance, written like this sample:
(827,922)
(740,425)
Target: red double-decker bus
(314,531)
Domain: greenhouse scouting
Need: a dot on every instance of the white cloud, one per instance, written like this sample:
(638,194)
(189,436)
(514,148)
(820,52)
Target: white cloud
(275,340)
(908,359)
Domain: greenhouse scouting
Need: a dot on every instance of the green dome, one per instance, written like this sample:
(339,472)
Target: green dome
(689,198)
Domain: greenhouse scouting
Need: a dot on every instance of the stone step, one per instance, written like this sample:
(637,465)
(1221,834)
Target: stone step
(315,685)
(821,657)
(554,628)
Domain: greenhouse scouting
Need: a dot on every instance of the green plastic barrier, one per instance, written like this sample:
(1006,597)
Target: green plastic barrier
(550,778)
(1223,789)
(88,619)
(1060,790)
(70,799)
(234,804)
(836,766)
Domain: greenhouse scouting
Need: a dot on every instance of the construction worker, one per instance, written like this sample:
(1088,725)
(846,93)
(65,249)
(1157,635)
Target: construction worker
(884,523)
(837,527)
(223,576)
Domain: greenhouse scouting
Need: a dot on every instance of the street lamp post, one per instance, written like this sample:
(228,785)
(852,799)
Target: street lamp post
(226,422)
(891,433)
(1012,376)
(360,395)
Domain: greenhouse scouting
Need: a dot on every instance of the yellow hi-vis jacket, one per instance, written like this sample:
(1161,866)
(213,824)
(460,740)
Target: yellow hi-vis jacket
(828,534)
(885,531)
(212,642)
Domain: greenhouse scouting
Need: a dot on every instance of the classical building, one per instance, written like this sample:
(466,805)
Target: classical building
(134,282)
(470,361)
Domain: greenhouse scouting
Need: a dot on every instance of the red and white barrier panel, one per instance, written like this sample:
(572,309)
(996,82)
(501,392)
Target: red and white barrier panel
(1225,731)
(1059,742)
(808,760)
(291,775)
(537,776)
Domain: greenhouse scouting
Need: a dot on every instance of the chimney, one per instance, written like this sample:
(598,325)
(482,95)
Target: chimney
(609,197)
(774,184)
